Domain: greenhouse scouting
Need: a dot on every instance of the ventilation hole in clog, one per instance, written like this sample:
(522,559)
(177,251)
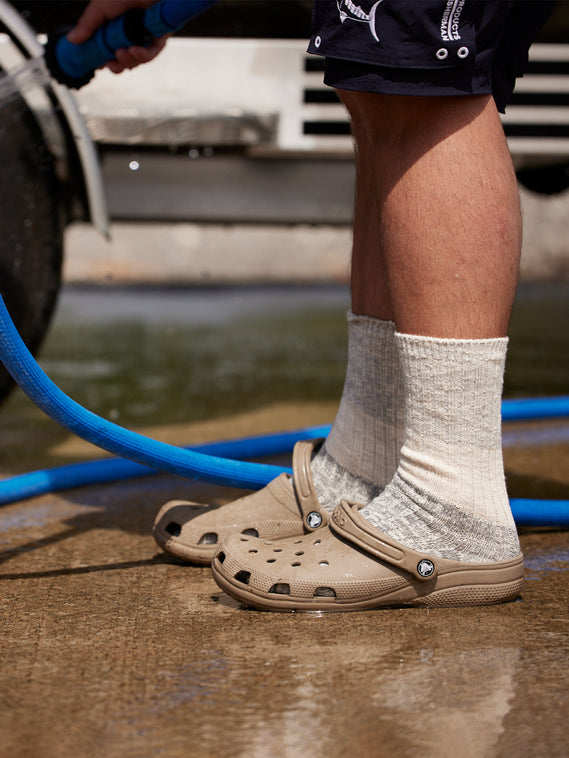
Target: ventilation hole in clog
(300,552)
(298,542)
(296,564)
(250,532)
(271,560)
(323,563)
(209,538)
(174,529)
(280,589)
(317,542)
(220,557)
(278,550)
(243,576)
(324,592)
(253,550)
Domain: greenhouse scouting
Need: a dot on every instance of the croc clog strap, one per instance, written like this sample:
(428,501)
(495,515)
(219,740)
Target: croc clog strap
(313,515)
(348,523)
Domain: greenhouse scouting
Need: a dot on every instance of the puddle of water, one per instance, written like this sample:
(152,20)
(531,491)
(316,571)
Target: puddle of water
(172,357)
(538,354)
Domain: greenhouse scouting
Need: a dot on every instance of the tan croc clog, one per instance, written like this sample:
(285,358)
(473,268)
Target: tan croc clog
(287,507)
(350,565)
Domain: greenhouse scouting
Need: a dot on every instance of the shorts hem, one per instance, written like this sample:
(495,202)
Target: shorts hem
(360,77)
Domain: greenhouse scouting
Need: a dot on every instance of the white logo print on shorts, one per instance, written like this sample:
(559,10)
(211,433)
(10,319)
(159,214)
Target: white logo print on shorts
(451,20)
(348,10)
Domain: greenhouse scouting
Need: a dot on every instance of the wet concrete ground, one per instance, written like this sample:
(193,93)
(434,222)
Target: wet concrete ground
(111,648)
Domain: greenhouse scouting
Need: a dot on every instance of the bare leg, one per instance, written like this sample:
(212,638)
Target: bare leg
(437,228)
(370,290)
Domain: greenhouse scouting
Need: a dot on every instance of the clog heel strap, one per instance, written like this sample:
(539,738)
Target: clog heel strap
(313,516)
(285,507)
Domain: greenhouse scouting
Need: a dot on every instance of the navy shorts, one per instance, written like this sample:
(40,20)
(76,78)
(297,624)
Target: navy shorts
(427,47)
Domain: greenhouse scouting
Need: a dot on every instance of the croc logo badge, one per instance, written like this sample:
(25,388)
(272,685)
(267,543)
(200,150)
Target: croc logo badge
(425,568)
(314,519)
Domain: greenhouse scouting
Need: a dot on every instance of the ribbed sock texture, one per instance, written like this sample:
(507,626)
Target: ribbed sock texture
(448,496)
(361,452)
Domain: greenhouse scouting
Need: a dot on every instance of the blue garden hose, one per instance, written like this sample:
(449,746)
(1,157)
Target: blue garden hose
(136,447)
(214,462)
(530,408)
(75,65)
(73,475)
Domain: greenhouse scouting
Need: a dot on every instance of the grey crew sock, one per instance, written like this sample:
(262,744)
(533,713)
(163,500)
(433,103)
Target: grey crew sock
(361,452)
(448,496)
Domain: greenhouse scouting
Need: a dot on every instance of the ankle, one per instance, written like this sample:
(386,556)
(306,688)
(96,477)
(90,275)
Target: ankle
(439,528)
(333,483)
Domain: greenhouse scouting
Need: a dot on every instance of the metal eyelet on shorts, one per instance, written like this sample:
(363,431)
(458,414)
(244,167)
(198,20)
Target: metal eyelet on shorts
(317,41)
(442,53)
(463,52)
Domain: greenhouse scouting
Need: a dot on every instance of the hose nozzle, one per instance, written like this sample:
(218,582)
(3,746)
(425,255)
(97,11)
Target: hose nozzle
(75,65)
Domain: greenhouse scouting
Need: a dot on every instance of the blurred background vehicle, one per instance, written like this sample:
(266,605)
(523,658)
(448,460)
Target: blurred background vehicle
(233,102)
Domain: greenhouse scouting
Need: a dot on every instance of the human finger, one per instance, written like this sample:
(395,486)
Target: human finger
(135,56)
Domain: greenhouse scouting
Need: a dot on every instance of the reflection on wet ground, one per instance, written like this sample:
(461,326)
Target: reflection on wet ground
(111,648)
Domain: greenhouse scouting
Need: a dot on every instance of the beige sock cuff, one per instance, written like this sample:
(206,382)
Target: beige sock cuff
(420,346)
(458,380)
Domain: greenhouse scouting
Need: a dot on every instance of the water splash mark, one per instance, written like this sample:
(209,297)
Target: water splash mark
(22,78)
